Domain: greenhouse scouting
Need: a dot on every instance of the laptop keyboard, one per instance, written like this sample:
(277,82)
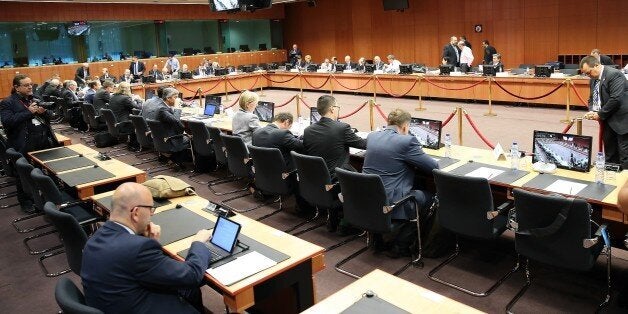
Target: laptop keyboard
(215,256)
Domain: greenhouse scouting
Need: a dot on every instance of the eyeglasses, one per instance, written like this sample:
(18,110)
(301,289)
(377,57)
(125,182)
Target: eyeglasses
(152,208)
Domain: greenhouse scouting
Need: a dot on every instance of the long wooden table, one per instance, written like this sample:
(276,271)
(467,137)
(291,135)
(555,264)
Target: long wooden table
(394,290)
(295,273)
(122,172)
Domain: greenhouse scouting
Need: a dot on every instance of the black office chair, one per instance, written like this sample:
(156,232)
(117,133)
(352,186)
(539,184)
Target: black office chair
(219,152)
(119,130)
(174,147)
(9,173)
(465,207)
(366,207)
(27,199)
(203,149)
(94,121)
(238,163)
(144,139)
(556,230)
(71,300)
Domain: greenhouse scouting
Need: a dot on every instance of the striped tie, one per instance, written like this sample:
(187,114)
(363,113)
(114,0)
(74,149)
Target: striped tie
(596,96)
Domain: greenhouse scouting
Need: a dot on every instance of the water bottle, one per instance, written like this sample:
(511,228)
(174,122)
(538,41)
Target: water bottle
(514,156)
(447,145)
(599,168)
(527,71)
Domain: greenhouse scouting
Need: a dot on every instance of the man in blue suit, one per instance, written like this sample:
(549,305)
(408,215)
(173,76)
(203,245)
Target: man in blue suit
(125,270)
(394,154)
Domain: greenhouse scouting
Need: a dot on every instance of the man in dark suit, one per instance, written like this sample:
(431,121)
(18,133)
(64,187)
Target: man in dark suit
(293,53)
(608,102)
(451,53)
(489,51)
(106,76)
(137,68)
(277,135)
(68,93)
(604,59)
(155,72)
(124,269)
(348,64)
(151,105)
(103,96)
(173,126)
(497,63)
(378,64)
(127,77)
(395,155)
(52,89)
(330,138)
(94,86)
(82,74)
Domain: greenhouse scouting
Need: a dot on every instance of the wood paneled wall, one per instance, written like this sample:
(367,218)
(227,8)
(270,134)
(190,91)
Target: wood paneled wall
(67,12)
(523,31)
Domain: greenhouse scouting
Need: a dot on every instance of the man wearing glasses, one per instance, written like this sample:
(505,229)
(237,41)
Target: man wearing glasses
(608,103)
(124,269)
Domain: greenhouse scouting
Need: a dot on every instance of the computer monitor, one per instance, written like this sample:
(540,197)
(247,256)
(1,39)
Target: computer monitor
(288,66)
(214,100)
(244,48)
(221,71)
(567,151)
(265,111)
(262,47)
(445,69)
(405,69)
(369,68)
(149,79)
(312,68)
(314,115)
(340,67)
(543,71)
(210,109)
(149,93)
(185,75)
(218,5)
(426,131)
(488,70)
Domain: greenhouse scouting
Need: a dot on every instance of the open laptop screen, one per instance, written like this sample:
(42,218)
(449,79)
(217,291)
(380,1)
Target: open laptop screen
(567,151)
(210,109)
(225,234)
(426,131)
(214,100)
(314,115)
(265,111)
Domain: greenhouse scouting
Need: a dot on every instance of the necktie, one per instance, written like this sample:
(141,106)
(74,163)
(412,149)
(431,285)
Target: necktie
(457,54)
(596,96)
(136,72)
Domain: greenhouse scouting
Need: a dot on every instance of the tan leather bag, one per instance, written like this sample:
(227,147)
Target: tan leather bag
(168,187)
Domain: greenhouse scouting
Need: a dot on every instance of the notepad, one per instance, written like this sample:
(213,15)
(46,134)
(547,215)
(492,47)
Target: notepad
(484,172)
(565,187)
(240,268)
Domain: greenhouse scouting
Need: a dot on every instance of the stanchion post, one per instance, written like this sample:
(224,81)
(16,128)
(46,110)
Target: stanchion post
(261,88)
(579,126)
(374,88)
(420,107)
(226,90)
(298,106)
(490,98)
(567,112)
(459,113)
(331,84)
(301,85)
(200,97)
(372,114)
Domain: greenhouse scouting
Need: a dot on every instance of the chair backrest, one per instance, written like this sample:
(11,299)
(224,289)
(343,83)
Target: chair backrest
(159,135)
(24,172)
(313,177)
(364,198)
(12,156)
(70,299)
(72,235)
(563,247)
(214,135)
(269,168)
(201,142)
(91,113)
(236,154)
(463,203)
(84,112)
(46,187)
(141,131)
(110,120)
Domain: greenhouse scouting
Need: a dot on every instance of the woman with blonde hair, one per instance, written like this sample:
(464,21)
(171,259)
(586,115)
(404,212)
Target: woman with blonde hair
(122,105)
(245,121)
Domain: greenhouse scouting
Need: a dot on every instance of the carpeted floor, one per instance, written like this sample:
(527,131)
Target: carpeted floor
(24,288)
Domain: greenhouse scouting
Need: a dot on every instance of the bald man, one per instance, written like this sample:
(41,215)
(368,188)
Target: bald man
(125,270)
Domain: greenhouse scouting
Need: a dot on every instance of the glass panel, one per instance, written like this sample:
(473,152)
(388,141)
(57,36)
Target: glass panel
(191,37)
(248,34)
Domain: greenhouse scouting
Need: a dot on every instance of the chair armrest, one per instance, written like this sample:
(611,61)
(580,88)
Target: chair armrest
(501,210)
(123,123)
(329,187)
(72,203)
(388,208)
(175,136)
(588,243)
(286,175)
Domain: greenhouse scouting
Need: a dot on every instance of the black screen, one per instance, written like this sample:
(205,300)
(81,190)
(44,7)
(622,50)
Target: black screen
(488,70)
(566,151)
(395,5)
(265,111)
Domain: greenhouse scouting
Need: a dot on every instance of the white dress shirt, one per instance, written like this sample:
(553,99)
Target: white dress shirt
(466,56)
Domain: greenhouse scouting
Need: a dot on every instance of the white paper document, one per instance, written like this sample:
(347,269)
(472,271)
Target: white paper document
(240,268)
(356,151)
(484,172)
(565,187)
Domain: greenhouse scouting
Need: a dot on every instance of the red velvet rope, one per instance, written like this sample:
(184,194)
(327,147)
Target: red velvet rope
(287,102)
(305,104)
(316,87)
(211,89)
(381,113)
(451,116)
(578,94)
(280,82)
(568,127)
(528,98)
(189,90)
(391,93)
(359,88)
(254,83)
(475,128)
(235,102)
(460,88)
(354,111)
(600,135)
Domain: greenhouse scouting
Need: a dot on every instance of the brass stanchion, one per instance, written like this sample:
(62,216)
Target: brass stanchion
(490,99)
(301,85)
(420,107)
(374,88)
(579,126)
(371,114)
(298,106)
(567,113)
(459,113)
(200,97)
(331,85)
(226,90)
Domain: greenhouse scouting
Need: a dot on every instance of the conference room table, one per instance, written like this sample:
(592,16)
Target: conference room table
(388,293)
(267,287)
(63,140)
(78,167)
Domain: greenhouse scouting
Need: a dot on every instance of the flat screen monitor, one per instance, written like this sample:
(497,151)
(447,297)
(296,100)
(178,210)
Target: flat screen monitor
(288,66)
(312,68)
(340,67)
(210,109)
(214,100)
(392,5)
(543,70)
(225,234)
(426,131)
(405,69)
(369,68)
(265,111)
(567,151)
(488,70)
(445,69)
(314,115)
(149,93)
(185,75)
(224,5)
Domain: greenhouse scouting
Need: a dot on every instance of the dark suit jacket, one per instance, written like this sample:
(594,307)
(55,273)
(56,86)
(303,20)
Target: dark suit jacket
(292,55)
(331,140)
(121,105)
(394,157)
(101,99)
(350,66)
(606,60)
(173,126)
(89,96)
(130,80)
(51,91)
(449,54)
(17,121)
(109,77)
(614,97)
(273,137)
(379,66)
(68,96)
(157,74)
(80,77)
(127,273)
(489,51)
(140,67)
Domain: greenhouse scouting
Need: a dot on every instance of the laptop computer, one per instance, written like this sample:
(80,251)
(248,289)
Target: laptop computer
(224,239)
(265,111)
(210,110)
(426,131)
(566,151)
(314,115)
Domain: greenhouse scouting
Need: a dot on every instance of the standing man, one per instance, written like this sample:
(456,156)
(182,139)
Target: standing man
(173,64)
(137,68)
(489,51)
(451,53)
(466,42)
(604,59)
(466,57)
(294,52)
(82,73)
(125,270)
(608,103)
